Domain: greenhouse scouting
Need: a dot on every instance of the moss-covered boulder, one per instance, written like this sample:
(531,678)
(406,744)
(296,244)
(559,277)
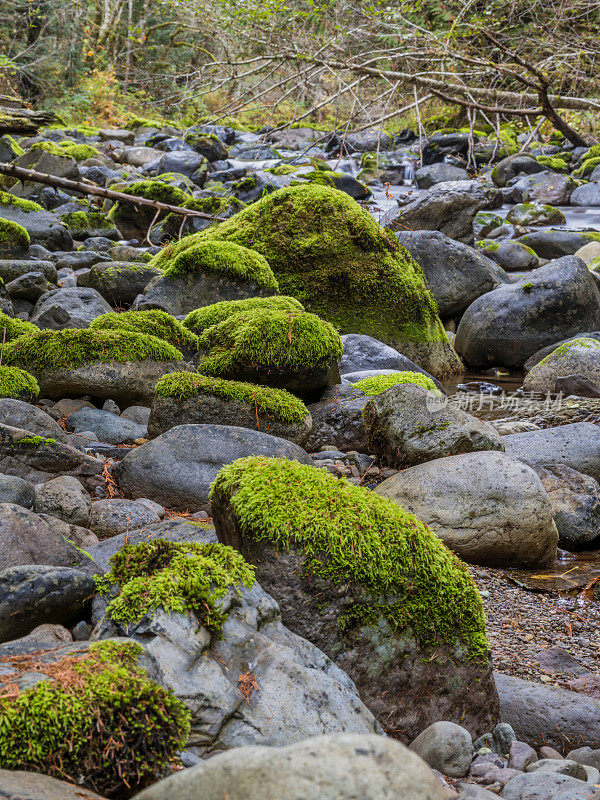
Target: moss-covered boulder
(208,273)
(116,364)
(13,327)
(578,357)
(535,214)
(43,227)
(119,282)
(377,384)
(134,221)
(181,398)
(92,716)
(85,224)
(156,323)
(370,585)
(18,384)
(330,254)
(289,350)
(202,318)
(14,240)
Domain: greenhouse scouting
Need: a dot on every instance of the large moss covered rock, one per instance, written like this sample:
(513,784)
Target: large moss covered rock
(14,239)
(369,584)
(202,318)
(117,364)
(330,254)
(578,357)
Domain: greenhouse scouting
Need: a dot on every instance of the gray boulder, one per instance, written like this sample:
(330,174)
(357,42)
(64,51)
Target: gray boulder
(65,498)
(119,282)
(576,445)
(585,756)
(74,307)
(30,287)
(544,187)
(487,507)
(43,227)
(548,715)
(363,352)
(456,273)
(545,351)
(12,269)
(446,747)
(428,176)
(575,501)
(108,427)
(510,323)
(511,166)
(547,786)
(339,767)
(338,420)
(510,255)
(300,691)
(113,516)
(579,357)
(33,595)
(586,195)
(177,468)
(558,766)
(408,425)
(557,243)
(16,490)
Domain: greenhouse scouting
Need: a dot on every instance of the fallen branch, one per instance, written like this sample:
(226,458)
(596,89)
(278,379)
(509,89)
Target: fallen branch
(23,174)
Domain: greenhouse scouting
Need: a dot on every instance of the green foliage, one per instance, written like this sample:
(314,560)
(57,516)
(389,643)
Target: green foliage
(553,163)
(379,383)
(330,254)
(7,199)
(202,318)
(269,340)
(12,327)
(79,151)
(14,239)
(588,166)
(174,576)
(221,258)
(16,383)
(97,720)
(276,404)
(349,534)
(157,323)
(71,347)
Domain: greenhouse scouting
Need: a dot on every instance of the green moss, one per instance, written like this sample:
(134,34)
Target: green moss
(174,576)
(223,258)
(553,163)
(379,383)
(244,184)
(489,245)
(527,288)
(593,152)
(79,151)
(7,199)
(86,221)
(16,383)
(348,534)
(330,254)
(276,404)
(97,720)
(282,169)
(14,145)
(202,318)
(151,190)
(37,441)
(565,348)
(156,323)
(589,165)
(14,239)
(535,214)
(71,347)
(268,340)
(12,327)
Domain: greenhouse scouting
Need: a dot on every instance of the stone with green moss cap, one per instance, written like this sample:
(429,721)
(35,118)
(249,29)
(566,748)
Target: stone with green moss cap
(18,384)
(376,384)
(202,318)
(207,273)
(367,583)
(535,214)
(187,397)
(134,221)
(85,224)
(330,254)
(119,282)
(14,239)
(116,364)
(13,327)
(43,227)
(577,357)
(289,350)
(156,323)
(93,716)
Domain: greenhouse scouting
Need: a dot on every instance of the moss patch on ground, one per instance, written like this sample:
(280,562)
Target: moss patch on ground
(174,576)
(157,323)
(269,340)
(17,383)
(330,254)
(347,533)
(377,384)
(98,720)
(202,318)
(276,404)
(72,347)
(222,258)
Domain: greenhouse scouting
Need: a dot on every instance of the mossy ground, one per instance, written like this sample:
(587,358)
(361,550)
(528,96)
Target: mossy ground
(99,721)
(377,384)
(330,254)
(222,258)
(72,347)
(157,323)
(13,327)
(349,534)
(13,238)
(202,318)
(174,576)
(16,383)
(268,340)
(276,404)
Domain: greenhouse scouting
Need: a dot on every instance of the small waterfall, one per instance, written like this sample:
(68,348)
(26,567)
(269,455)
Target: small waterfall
(408,177)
